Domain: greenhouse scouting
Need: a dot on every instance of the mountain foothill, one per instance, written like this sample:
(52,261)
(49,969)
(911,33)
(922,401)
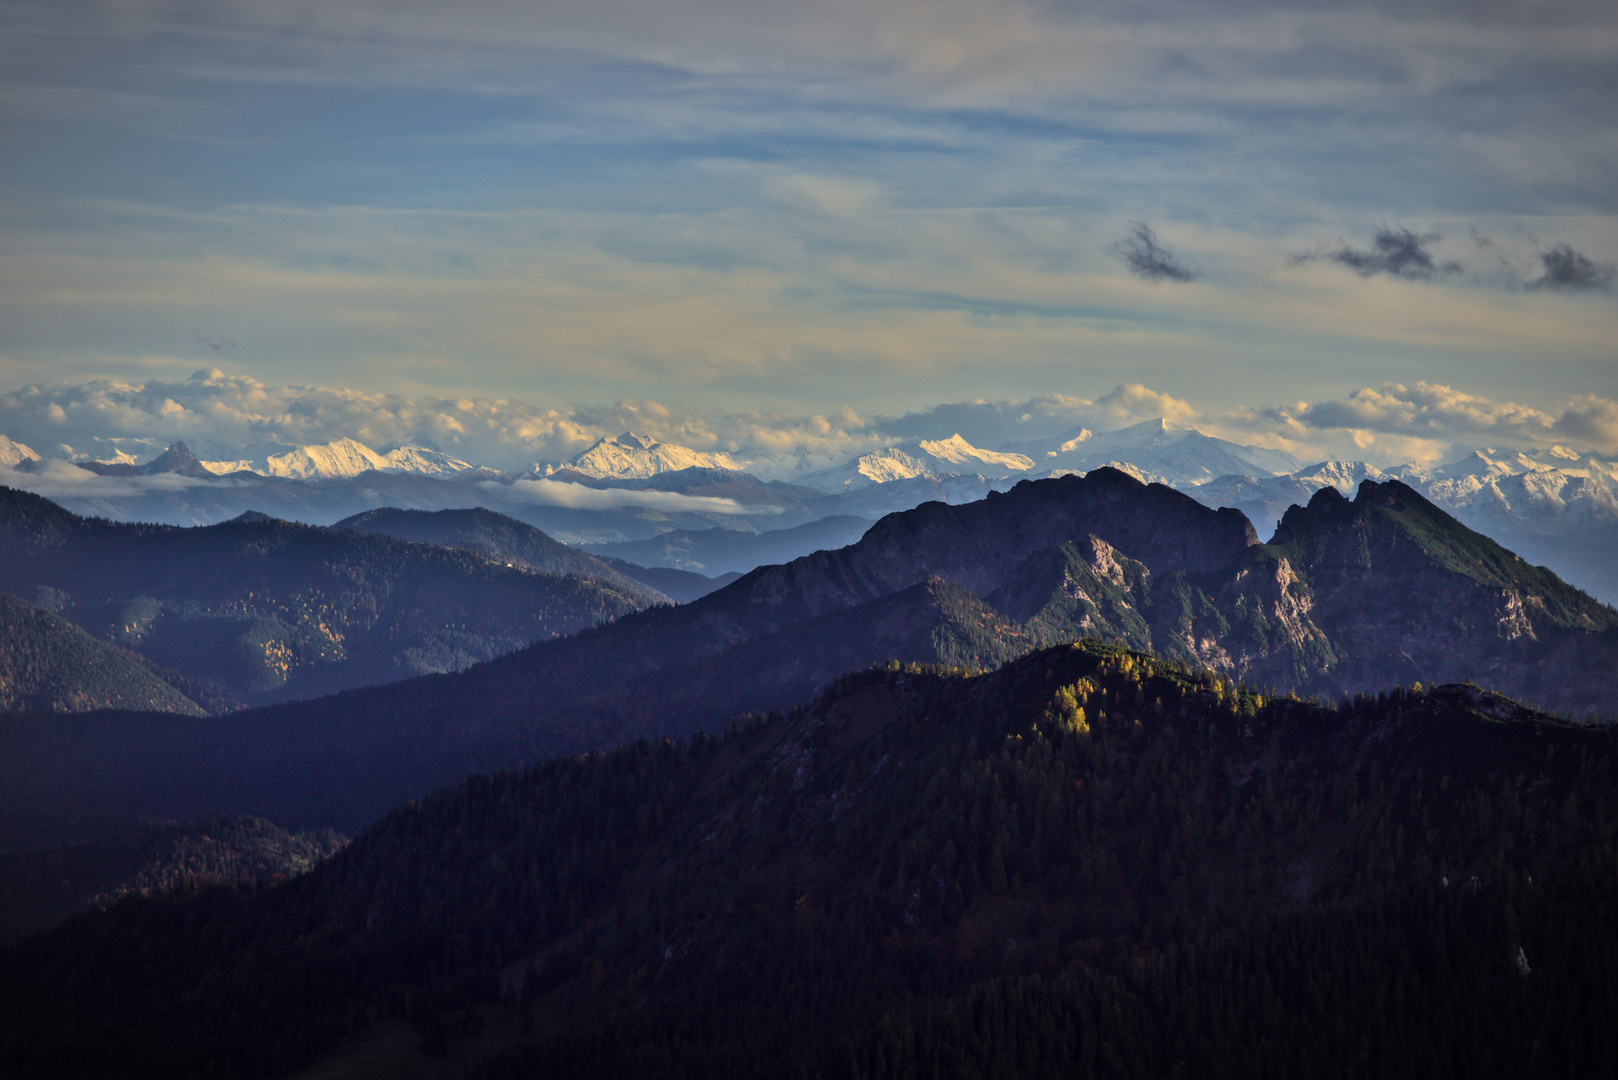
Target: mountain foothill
(1081,771)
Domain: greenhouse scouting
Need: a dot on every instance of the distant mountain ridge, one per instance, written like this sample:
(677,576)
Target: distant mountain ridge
(1182,456)
(1554,505)
(518,543)
(266,609)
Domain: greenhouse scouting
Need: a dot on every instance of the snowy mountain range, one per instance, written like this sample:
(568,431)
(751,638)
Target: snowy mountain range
(15,453)
(1160,450)
(1547,491)
(637,457)
(340,459)
(1552,505)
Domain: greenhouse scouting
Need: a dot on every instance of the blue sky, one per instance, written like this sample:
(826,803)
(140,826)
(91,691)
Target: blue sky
(786,209)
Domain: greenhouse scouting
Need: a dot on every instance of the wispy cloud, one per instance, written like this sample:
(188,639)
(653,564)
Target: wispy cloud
(1568,270)
(1148,259)
(762,211)
(1395,252)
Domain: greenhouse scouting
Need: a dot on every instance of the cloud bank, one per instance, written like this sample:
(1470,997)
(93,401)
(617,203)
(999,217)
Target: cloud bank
(1445,417)
(223,416)
(579,497)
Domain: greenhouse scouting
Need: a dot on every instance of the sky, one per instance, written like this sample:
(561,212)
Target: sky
(1383,230)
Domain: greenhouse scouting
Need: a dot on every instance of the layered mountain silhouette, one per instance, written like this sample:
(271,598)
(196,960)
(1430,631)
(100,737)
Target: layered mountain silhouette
(1353,596)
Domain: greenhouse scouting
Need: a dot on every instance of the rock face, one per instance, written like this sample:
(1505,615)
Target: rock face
(178,460)
(1406,593)
(1351,596)
(982,546)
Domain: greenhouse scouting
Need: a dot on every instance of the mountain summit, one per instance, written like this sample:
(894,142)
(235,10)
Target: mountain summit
(935,458)
(179,460)
(637,457)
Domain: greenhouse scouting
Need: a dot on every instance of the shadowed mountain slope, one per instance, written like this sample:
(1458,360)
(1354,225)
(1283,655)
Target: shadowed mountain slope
(43,886)
(715,551)
(777,901)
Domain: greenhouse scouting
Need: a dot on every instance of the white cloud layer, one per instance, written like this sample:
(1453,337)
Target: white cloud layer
(227,417)
(579,497)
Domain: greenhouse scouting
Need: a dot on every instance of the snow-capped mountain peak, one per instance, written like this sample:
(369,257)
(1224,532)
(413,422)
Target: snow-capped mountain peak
(1159,447)
(341,459)
(957,451)
(337,459)
(632,456)
(419,459)
(1071,442)
(15,453)
(936,458)
(1345,476)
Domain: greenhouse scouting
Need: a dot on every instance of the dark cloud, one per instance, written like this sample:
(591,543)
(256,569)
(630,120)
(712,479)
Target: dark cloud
(1572,270)
(1398,253)
(1149,260)
(217,344)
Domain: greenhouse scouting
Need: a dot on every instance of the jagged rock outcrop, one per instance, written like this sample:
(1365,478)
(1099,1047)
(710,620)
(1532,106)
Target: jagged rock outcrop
(178,460)
(1405,593)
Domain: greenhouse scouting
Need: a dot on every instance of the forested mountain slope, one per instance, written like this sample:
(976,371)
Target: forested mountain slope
(43,886)
(270,610)
(49,665)
(1150,850)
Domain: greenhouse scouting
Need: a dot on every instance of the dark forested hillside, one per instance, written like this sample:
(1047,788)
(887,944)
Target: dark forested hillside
(269,610)
(45,885)
(49,665)
(1088,856)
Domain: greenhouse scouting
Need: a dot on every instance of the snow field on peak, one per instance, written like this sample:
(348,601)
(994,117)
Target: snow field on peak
(639,457)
